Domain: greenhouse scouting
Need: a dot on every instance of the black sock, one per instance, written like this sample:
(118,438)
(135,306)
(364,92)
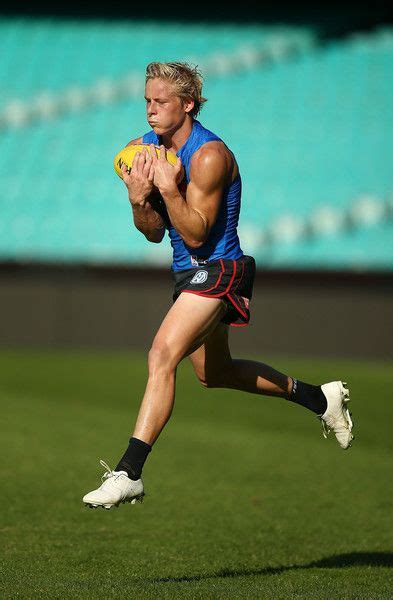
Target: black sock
(134,458)
(310,396)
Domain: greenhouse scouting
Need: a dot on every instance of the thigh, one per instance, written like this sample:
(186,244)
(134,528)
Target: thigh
(187,324)
(214,355)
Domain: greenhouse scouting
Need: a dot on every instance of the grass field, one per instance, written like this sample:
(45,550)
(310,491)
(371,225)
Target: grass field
(245,499)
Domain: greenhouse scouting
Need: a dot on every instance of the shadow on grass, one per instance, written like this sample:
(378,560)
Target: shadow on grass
(352,559)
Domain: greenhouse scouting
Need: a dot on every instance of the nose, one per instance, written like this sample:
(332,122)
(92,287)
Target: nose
(151,108)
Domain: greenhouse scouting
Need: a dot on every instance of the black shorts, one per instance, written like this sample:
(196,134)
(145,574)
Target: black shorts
(230,280)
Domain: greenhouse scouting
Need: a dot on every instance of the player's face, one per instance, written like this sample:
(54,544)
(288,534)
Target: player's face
(165,111)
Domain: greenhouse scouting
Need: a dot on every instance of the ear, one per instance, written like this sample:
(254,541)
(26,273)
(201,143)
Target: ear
(188,105)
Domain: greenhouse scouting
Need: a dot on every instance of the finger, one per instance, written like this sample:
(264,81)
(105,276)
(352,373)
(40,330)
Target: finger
(162,152)
(178,168)
(153,153)
(151,173)
(125,172)
(138,162)
(147,165)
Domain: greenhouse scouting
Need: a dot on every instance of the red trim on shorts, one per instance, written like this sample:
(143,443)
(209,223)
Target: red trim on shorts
(233,276)
(225,292)
(218,279)
(229,298)
(205,293)
(220,294)
(237,307)
(241,277)
(199,294)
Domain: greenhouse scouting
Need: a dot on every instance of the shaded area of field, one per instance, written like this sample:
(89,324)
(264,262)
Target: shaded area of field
(244,497)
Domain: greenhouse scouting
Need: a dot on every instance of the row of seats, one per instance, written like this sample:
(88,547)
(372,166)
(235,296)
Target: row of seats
(53,55)
(310,130)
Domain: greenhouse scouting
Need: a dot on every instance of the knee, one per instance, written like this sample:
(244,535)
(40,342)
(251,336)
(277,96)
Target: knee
(160,358)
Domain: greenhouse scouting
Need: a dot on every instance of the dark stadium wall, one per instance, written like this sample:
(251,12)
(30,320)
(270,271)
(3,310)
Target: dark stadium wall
(293,314)
(332,19)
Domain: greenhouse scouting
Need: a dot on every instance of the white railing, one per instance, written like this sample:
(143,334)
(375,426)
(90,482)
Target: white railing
(47,105)
(365,211)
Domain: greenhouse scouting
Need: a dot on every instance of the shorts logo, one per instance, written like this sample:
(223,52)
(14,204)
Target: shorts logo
(199,277)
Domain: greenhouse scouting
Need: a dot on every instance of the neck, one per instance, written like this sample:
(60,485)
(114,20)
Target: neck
(177,138)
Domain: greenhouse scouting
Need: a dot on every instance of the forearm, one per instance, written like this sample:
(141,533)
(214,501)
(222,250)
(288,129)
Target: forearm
(188,222)
(148,222)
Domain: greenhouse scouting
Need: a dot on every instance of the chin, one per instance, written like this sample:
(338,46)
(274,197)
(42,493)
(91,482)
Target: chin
(160,130)
(157,129)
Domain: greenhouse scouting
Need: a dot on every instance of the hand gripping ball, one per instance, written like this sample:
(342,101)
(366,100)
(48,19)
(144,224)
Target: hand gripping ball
(126,156)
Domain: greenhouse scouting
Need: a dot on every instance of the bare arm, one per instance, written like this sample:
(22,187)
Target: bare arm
(148,222)
(194,216)
(139,183)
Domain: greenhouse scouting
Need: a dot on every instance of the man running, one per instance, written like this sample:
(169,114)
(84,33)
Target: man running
(198,204)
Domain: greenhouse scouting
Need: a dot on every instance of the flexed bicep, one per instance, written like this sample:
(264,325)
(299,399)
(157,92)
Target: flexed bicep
(209,179)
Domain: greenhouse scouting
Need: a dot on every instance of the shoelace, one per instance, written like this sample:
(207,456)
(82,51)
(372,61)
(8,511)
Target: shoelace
(108,471)
(325,429)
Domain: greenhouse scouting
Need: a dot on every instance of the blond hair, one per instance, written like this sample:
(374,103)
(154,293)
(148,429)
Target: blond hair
(186,80)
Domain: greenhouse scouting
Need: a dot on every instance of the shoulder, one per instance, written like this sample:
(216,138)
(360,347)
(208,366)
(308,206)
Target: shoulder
(135,142)
(214,152)
(148,138)
(213,158)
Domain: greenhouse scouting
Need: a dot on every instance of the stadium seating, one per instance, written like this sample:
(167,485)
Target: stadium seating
(310,124)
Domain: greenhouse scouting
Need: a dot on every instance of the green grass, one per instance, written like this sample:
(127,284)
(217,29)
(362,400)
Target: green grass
(245,499)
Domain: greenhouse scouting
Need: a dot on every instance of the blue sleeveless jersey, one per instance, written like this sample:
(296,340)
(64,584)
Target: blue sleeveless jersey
(223,241)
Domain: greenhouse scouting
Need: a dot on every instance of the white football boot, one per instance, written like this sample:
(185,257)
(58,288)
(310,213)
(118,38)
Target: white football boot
(337,416)
(117,488)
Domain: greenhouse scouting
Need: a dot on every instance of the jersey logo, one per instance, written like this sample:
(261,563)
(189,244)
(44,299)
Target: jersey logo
(199,277)
(198,261)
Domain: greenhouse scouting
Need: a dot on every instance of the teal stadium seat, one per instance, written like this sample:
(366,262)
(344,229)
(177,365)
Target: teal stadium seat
(311,125)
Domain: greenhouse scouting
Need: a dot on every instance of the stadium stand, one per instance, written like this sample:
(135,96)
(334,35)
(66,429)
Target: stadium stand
(310,124)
